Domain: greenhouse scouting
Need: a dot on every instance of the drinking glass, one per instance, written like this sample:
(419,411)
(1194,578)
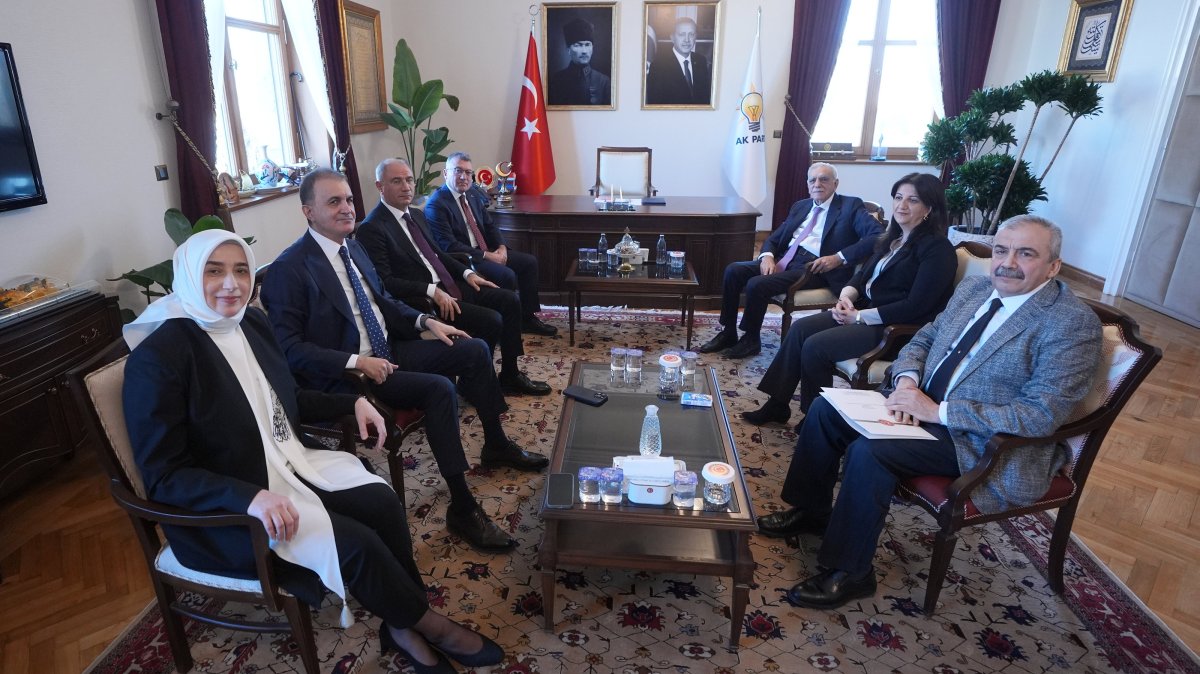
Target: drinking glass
(610,484)
(589,484)
(684,495)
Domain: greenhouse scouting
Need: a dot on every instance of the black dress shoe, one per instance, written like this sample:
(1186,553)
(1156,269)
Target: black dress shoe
(768,413)
(521,384)
(490,654)
(791,522)
(534,325)
(746,346)
(387,643)
(512,456)
(478,531)
(722,341)
(831,589)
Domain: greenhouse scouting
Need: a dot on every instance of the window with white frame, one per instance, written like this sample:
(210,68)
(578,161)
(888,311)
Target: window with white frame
(255,118)
(886,86)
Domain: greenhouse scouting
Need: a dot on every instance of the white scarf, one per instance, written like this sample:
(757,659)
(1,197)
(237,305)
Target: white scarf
(313,546)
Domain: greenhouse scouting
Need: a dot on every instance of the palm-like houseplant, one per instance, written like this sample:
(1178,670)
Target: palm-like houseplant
(414,102)
(988,181)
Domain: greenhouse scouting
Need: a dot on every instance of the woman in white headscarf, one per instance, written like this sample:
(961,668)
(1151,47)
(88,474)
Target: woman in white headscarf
(212,412)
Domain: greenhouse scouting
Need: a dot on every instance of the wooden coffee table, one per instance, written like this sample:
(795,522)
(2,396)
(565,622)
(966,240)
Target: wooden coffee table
(645,279)
(649,538)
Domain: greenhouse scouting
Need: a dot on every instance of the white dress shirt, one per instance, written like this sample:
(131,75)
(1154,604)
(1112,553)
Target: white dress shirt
(331,248)
(812,242)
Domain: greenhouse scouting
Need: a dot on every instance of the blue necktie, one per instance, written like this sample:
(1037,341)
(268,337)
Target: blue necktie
(379,345)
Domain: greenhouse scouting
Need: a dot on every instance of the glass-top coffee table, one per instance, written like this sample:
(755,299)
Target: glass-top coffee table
(647,537)
(645,279)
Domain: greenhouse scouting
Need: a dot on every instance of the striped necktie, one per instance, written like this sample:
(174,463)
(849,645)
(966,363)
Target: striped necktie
(379,345)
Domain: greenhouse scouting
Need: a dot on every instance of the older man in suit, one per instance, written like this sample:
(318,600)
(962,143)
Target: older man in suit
(417,272)
(459,218)
(826,234)
(1012,354)
(680,75)
(330,312)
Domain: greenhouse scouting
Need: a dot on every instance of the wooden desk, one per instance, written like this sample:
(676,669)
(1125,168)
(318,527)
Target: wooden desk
(713,231)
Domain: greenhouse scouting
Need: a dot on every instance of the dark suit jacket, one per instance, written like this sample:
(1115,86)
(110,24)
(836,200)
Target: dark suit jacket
(1024,380)
(915,285)
(849,229)
(396,258)
(449,227)
(666,85)
(194,434)
(570,87)
(311,314)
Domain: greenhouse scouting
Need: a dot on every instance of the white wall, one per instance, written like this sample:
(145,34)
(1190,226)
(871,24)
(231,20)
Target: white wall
(1097,186)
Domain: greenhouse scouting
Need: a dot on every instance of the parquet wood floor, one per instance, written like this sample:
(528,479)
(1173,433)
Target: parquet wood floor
(74,578)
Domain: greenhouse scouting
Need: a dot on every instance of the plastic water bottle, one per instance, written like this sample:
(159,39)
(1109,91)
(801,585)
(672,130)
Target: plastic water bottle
(651,440)
(602,246)
(661,257)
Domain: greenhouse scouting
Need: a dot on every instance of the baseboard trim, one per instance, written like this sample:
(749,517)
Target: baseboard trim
(1078,277)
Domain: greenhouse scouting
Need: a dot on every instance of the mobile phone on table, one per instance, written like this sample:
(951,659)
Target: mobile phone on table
(586,395)
(560,490)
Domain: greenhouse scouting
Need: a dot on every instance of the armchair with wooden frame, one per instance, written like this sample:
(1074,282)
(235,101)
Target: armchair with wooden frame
(627,169)
(868,370)
(1125,361)
(96,388)
(799,298)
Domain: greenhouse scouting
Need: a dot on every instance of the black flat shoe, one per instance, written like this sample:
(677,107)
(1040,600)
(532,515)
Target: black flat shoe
(387,643)
(536,326)
(479,532)
(791,522)
(512,456)
(831,589)
(745,347)
(521,384)
(721,342)
(768,414)
(489,654)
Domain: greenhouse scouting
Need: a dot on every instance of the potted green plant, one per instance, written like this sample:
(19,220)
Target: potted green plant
(989,184)
(163,274)
(414,102)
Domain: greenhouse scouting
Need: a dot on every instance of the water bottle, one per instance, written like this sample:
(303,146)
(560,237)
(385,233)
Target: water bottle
(661,257)
(602,246)
(651,441)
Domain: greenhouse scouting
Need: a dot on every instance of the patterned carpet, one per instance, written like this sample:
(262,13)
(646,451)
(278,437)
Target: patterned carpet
(997,612)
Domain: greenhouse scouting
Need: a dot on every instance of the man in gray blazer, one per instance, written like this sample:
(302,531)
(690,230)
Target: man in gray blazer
(1012,354)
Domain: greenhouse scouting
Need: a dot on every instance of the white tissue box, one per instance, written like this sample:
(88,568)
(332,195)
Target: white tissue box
(650,490)
(653,467)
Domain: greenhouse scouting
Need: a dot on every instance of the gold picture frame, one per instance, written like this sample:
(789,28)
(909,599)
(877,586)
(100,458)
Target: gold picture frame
(664,82)
(1093,38)
(362,42)
(564,86)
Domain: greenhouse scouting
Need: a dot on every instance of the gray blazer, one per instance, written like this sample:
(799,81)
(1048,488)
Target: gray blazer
(1025,380)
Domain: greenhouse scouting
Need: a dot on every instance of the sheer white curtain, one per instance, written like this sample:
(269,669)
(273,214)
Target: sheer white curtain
(302,24)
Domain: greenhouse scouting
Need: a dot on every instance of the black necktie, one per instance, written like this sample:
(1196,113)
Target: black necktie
(379,345)
(936,389)
(426,250)
(687,72)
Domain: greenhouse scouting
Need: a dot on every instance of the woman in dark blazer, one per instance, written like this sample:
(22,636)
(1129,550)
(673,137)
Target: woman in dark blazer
(908,279)
(212,413)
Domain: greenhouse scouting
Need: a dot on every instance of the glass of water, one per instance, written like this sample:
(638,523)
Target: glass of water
(675,262)
(610,484)
(589,484)
(684,495)
(633,365)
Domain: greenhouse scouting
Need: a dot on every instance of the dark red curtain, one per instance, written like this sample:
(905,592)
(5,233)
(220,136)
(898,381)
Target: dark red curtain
(816,35)
(965,33)
(329,25)
(185,46)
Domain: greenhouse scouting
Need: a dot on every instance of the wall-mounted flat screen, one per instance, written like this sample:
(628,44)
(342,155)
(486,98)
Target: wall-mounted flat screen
(20,180)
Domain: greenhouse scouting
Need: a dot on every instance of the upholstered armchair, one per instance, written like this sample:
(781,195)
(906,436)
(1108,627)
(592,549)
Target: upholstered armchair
(625,168)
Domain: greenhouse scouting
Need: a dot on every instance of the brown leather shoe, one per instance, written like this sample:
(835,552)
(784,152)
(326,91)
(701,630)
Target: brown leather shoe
(478,531)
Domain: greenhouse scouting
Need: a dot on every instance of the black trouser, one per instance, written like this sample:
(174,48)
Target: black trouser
(808,353)
(747,277)
(519,274)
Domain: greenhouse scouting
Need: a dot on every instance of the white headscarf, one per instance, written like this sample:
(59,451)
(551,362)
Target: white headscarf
(187,296)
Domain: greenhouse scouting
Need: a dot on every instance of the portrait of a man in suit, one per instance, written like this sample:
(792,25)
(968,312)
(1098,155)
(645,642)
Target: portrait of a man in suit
(578,43)
(680,52)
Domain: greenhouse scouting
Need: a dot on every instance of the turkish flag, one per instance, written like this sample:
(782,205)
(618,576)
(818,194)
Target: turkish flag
(532,158)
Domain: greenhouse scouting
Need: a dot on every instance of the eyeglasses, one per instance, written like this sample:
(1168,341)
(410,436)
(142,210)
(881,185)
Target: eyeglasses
(459,172)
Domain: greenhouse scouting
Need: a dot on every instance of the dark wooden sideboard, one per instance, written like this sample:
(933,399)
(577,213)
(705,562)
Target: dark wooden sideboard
(39,425)
(712,231)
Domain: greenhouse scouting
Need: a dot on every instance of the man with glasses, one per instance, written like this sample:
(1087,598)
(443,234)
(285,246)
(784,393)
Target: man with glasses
(461,222)
(826,234)
(418,273)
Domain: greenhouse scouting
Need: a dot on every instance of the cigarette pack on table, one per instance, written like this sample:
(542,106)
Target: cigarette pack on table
(692,399)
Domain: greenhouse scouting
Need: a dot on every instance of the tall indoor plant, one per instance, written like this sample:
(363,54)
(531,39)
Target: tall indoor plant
(990,184)
(413,105)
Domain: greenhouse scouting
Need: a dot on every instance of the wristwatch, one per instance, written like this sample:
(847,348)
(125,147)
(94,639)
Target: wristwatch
(422,321)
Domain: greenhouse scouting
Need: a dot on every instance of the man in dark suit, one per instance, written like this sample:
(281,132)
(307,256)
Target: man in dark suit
(459,218)
(330,313)
(680,76)
(418,273)
(1013,354)
(579,83)
(826,234)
